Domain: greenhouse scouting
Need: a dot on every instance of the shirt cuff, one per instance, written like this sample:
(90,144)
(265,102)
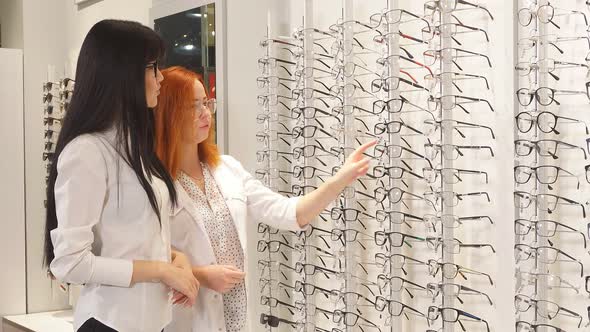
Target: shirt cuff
(290,221)
(112,271)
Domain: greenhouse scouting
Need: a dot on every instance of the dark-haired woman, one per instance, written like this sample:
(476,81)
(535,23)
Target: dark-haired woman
(109,197)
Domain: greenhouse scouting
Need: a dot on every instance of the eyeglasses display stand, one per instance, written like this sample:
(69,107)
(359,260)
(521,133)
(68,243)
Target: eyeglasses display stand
(57,94)
(56,98)
(550,129)
(473,214)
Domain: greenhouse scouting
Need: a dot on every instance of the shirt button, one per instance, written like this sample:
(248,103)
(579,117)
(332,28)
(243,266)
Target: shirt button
(215,296)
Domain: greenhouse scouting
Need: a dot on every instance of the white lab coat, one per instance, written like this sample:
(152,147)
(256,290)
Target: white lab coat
(249,201)
(105,222)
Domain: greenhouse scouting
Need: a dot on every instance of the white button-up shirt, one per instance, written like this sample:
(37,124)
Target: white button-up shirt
(105,222)
(249,201)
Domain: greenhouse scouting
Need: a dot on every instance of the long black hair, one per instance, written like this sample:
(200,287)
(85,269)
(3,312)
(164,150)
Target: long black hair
(110,92)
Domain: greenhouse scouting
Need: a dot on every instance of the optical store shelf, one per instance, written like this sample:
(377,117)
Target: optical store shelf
(53,321)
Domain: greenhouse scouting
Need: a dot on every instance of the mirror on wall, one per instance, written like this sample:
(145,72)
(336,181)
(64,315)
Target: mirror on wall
(190,42)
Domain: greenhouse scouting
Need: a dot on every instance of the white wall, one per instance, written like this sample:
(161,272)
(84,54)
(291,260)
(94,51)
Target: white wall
(13,285)
(79,20)
(43,44)
(12,178)
(246,26)
(11,20)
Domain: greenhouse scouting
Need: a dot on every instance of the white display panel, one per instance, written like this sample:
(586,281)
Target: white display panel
(12,177)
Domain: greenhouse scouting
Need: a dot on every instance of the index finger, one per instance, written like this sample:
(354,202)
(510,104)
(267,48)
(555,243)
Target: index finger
(361,149)
(236,274)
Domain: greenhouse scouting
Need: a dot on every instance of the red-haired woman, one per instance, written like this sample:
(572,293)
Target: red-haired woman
(217,198)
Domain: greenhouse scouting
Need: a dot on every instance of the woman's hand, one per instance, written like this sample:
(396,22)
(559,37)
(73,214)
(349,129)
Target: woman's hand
(220,278)
(311,205)
(182,281)
(181,260)
(181,299)
(355,166)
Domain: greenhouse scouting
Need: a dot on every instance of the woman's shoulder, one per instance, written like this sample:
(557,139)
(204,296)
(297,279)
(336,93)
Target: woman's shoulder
(92,147)
(230,166)
(229,161)
(82,156)
(85,143)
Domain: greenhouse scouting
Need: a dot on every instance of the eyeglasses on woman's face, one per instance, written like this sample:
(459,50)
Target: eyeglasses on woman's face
(153,66)
(199,106)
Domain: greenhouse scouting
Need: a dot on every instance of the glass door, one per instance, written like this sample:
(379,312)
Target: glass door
(191,39)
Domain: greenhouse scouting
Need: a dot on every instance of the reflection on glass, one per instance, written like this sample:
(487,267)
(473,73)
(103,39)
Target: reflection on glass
(189,37)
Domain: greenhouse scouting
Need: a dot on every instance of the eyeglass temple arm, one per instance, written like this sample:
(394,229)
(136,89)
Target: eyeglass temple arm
(280,42)
(414,174)
(409,193)
(484,193)
(573,120)
(412,14)
(412,128)
(413,84)
(579,12)
(477,292)
(476,6)
(417,63)
(476,245)
(477,217)
(575,64)
(477,273)
(476,76)
(415,81)
(418,40)
(415,311)
(486,147)
(460,324)
(489,104)
(474,172)
(475,53)
(574,260)
(283,61)
(473,29)
(576,203)
(488,128)
(557,48)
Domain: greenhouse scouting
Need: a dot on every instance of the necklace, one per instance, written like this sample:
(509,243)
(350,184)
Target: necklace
(199,180)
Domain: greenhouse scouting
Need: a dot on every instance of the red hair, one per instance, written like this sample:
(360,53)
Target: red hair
(172,119)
